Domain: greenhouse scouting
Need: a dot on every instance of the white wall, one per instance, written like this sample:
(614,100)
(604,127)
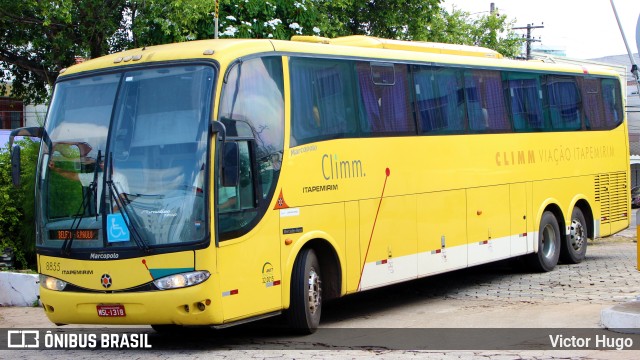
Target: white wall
(18,289)
(34,115)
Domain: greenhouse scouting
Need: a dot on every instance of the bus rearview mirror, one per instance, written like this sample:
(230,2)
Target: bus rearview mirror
(231,164)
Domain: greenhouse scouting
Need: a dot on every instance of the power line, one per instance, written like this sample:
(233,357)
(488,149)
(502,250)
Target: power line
(529,39)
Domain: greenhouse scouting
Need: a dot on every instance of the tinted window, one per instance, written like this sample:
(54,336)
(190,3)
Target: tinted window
(612,103)
(601,101)
(486,107)
(439,99)
(384,97)
(563,103)
(322,95)
(525,97)
(593,106)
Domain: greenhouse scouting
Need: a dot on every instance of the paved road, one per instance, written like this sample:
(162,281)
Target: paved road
(492,296)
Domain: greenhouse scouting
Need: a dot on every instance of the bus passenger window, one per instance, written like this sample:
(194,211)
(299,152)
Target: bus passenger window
(385,98)
(439,100)
(486,107)
(593,108)
(601,101)
(322,96)
(612,103)
(563,103)
(525,96)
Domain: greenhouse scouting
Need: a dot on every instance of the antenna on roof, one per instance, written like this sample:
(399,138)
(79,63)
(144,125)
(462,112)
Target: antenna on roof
(634,66)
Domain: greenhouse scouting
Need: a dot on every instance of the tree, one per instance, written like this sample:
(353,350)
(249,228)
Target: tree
(488,30)
(153,22)
(391,19)
(273,19)
(17,205)
(39,38)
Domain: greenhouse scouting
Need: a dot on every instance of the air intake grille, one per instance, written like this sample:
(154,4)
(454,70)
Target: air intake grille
(612,193)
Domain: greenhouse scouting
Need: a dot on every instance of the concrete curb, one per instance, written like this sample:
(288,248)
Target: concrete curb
(623,318)
(17,289)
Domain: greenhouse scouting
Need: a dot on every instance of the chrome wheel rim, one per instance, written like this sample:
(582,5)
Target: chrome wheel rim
(548,241)
(578,235)
(315,292)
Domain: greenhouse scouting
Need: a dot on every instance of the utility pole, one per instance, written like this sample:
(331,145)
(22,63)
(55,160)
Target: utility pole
(215,19)
(529,39)
(634,66)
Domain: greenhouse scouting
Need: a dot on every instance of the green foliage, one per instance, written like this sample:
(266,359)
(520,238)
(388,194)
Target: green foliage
(492,31)
(391,19)
(167,21)
(17,206)
(273,19)
(39,38)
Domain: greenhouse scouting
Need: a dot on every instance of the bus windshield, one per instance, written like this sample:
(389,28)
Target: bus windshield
(123,160)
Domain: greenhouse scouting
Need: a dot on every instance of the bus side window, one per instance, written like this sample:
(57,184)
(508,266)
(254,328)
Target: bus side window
(384,95)
(590,90)
(439,101)
(612,103)
(525,96)
(486,107)
(323,102)
(563,103)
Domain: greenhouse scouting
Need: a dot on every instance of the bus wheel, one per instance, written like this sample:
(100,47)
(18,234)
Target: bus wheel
(548,244)
(574,247)
(306,294)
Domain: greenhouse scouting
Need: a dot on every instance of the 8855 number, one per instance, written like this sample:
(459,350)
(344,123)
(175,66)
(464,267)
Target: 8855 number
(52,266)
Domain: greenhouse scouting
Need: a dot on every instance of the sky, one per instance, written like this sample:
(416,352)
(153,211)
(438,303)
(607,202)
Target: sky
(586,29)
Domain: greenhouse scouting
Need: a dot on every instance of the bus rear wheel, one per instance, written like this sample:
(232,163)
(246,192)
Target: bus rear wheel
(548,244)
(574,247)
(306,293)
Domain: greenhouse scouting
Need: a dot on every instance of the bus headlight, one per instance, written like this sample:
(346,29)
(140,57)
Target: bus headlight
(52,283)
(181,280)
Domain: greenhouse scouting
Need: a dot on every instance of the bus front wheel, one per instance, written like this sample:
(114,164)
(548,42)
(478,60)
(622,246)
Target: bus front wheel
(548,244)
(574,246)
(306,293)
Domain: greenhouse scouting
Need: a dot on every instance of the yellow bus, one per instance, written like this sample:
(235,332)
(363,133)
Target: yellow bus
(222,181)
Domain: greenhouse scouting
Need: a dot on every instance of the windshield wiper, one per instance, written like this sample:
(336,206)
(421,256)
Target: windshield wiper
(86,201)
(116,195)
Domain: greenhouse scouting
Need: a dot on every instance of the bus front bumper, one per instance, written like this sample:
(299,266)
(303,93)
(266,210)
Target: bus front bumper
(185,306)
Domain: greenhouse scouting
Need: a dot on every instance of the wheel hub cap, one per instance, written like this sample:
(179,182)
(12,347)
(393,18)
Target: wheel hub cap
(315,292)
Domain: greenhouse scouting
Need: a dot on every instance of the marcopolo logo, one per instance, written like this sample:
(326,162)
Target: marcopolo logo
(100,256)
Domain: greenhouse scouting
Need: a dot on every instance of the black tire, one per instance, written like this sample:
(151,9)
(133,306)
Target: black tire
(306,294)
(548,245)
(574,247)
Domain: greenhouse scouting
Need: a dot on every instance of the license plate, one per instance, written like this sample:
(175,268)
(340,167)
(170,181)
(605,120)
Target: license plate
(111,310)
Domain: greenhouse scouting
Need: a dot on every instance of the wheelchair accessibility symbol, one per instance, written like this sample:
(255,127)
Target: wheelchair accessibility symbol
(117,230)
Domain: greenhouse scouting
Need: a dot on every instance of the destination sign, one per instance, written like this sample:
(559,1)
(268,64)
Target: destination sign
(78,234)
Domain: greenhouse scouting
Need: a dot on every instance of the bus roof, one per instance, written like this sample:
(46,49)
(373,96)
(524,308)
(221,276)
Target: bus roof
(417,46)
(227,50)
